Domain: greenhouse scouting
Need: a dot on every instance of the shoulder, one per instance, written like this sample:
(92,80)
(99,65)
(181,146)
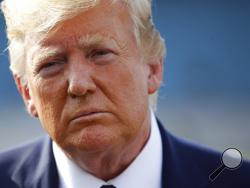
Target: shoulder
(188,151)
(193,162)
(20,158)
(16,154)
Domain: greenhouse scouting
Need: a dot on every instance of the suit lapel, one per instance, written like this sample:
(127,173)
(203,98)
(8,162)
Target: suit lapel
(178,170)
(37,169)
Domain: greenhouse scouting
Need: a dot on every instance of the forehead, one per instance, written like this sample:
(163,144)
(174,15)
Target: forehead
(107,19)
(105,22)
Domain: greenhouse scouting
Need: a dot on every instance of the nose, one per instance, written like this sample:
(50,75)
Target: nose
(80,80)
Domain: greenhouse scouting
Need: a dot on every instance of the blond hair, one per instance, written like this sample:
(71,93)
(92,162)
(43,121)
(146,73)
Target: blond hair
(29,18)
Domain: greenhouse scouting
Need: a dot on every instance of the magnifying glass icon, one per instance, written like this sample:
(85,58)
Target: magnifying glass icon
(231,159)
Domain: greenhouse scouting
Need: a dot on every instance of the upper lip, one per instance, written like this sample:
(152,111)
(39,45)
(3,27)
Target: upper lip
(86,112)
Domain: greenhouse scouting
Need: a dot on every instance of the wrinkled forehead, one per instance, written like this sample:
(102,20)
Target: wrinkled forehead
(105,22)
(51,24)
(46,50)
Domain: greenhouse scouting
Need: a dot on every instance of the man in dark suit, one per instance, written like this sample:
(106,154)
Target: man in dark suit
(90,71)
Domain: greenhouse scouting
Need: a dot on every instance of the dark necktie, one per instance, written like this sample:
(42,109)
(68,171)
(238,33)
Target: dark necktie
(107,186)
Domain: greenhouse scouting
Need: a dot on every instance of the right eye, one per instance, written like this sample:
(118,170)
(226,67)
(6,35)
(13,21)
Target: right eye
(51,68)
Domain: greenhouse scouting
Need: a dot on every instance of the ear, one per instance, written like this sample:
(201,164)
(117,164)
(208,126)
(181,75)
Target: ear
(25,93)
(155,76)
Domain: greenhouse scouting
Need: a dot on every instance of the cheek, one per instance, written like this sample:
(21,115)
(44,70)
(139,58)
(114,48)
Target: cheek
(132,84)
(49,98)
(127,89)
(132,101)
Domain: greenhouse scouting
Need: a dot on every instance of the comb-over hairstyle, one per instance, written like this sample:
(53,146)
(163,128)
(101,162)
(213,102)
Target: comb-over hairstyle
(36,18)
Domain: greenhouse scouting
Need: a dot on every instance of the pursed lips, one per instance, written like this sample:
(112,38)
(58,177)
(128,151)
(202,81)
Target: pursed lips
(88,114)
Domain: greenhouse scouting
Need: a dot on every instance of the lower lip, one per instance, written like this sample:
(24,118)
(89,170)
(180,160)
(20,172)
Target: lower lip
(89,117)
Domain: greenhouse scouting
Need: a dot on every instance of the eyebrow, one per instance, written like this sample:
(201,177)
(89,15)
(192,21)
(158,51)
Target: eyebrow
(84,42)
(45,53)
(89,41)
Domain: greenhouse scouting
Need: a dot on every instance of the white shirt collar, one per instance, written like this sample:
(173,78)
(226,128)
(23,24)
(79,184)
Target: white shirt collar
(144,171)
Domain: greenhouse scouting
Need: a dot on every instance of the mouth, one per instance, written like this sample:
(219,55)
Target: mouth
(87,116)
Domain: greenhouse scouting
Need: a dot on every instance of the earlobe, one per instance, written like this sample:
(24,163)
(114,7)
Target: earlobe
(155,76)
(25,93)
(32,109)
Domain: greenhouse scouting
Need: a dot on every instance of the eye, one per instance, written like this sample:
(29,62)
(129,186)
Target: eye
(99,53)
(49,64)
(102,55)
(51,67)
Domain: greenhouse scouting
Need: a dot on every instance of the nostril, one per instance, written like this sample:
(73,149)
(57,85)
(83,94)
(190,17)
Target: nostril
(71,95)
(75,90)
(81,87)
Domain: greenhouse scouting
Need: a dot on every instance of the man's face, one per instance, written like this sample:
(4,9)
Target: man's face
(88,82)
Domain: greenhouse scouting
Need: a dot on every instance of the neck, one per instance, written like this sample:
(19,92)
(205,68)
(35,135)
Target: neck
(110,163)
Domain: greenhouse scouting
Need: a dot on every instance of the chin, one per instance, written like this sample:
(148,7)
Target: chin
(91,139)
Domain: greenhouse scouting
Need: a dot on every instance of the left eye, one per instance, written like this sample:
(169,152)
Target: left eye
(102,56)
(97,53)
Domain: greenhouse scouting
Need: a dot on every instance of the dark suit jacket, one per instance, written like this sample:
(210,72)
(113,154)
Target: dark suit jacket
(185,165)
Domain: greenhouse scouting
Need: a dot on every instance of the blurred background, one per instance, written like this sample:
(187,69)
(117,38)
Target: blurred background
(205,97)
